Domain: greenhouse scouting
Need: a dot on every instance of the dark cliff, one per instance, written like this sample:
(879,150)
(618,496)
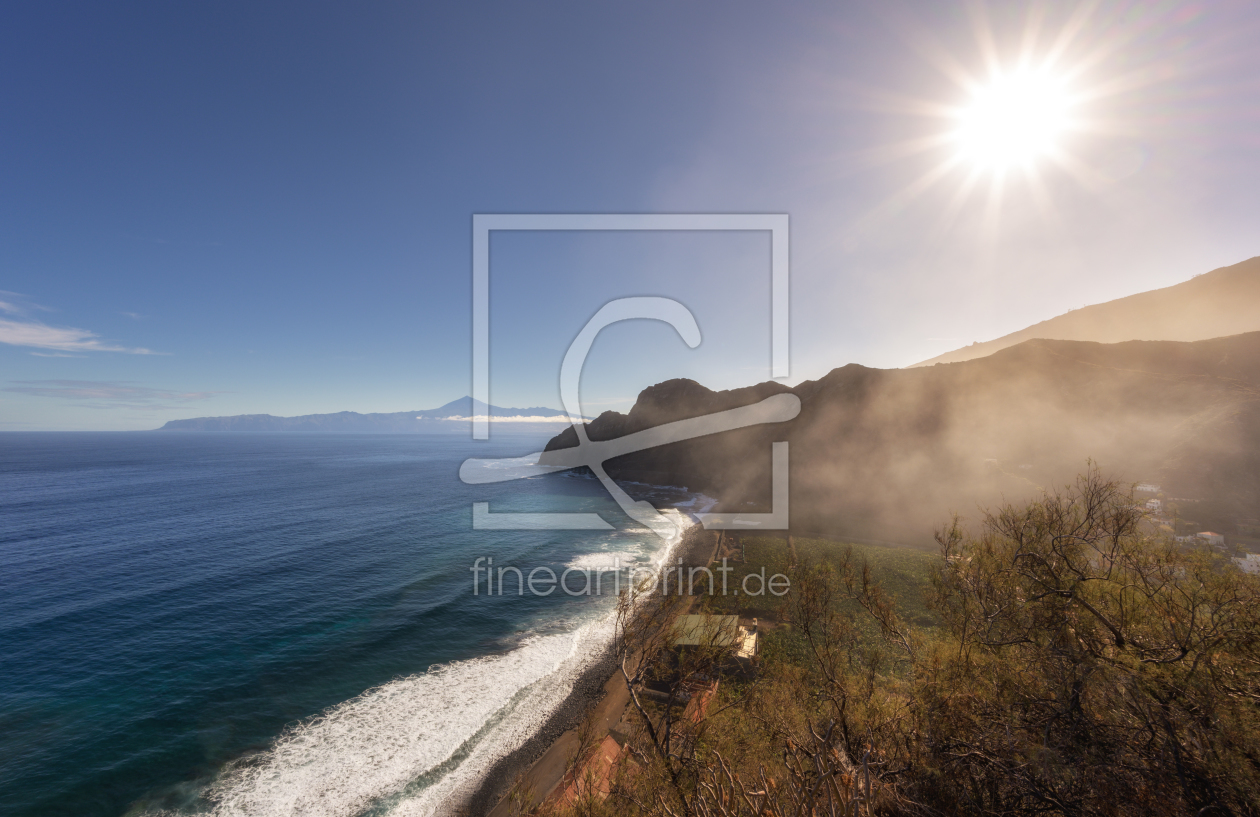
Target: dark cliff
(889,454)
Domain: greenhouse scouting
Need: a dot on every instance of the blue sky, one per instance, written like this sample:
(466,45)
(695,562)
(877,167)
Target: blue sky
(232,208)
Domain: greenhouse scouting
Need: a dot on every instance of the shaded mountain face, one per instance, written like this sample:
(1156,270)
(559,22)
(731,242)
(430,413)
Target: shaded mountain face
(1222,302)
(890,454)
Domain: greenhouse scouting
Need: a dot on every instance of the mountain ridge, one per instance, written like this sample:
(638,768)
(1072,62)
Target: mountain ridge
(1219,303)
(891,454)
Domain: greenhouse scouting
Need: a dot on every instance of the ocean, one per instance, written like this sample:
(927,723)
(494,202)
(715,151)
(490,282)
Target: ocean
(279,624)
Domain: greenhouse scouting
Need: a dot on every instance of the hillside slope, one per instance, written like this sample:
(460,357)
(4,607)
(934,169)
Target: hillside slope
(889,454)
(1222,302)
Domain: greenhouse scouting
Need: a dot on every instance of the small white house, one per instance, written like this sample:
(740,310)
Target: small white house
(1211,538)
(1154,505)
(718,631)
(1249,563)
(1147,487)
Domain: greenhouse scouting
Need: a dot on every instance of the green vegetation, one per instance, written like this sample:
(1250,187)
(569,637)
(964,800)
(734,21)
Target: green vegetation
(1060,660)
(904,572)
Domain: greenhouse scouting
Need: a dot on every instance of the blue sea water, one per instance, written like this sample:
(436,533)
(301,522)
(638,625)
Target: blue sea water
(245,624)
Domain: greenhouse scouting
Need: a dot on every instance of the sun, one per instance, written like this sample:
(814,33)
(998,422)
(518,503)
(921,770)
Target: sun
(1014,120)
(1015,124)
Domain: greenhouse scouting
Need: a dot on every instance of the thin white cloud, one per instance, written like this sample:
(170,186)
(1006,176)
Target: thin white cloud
(59,338)
(517,418)
(107,393)
(15,303)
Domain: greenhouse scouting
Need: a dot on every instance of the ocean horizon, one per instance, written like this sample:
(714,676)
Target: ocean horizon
(265,623)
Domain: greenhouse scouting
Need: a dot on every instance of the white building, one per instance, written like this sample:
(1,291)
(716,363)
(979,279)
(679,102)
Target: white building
(718,631)
(1147,487)
(1249,563)
(1211,538)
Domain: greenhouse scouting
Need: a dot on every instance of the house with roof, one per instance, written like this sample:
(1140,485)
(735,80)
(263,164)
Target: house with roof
(696,631)
(592,776)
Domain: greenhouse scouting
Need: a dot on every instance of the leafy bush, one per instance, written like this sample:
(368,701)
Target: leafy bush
(1064,660)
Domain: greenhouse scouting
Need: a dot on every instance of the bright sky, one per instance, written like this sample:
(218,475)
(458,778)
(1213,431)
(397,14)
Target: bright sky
(230,208)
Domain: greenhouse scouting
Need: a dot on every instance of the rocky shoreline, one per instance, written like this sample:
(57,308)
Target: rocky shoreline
(695,549)
(499,779)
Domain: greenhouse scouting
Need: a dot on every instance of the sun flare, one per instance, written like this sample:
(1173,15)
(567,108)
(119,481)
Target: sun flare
(1015,119)
(1016,124)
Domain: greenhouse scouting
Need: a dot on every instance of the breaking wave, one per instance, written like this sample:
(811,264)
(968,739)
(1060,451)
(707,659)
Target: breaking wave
(528,714)
(377,745)
(607,560)
(420,745)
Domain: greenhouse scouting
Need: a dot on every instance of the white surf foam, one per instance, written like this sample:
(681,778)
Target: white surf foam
(606,560)
(705,503)
(529,713)
(418,745)
(527,716)
(374,745)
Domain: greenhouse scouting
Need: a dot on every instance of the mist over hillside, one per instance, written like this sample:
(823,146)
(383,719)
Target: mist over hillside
(1222,302)
(890,454)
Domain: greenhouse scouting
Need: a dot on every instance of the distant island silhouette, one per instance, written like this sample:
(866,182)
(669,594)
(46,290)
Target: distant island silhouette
(352,422)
